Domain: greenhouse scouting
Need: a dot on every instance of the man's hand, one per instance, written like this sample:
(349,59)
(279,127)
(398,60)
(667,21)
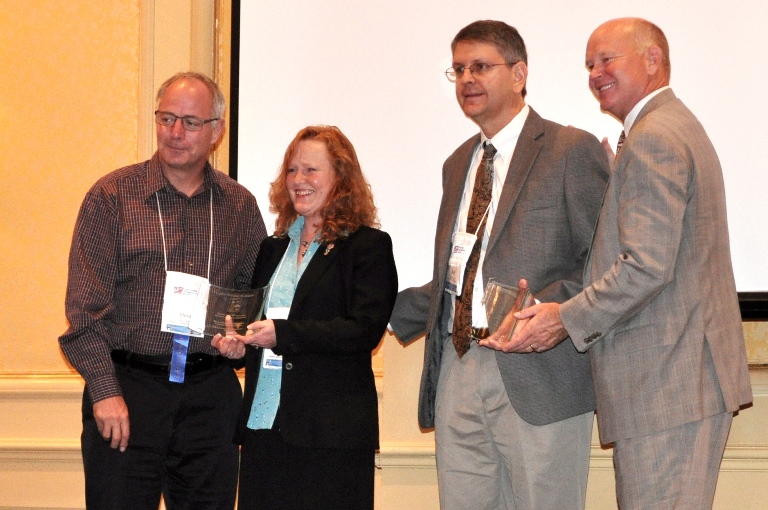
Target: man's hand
(540,329)
(499,339)
(229,345)
(544,329)
(111,415)
(495,342)
(608,150)
(261,334)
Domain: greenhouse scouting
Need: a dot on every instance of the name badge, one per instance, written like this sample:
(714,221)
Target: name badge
(269,359)
(185,301)
(463,243)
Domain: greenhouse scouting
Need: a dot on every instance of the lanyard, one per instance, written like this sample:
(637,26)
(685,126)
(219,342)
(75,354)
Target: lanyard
(272,281)
(162,232)
(180,345)
(477,230)
(276,274)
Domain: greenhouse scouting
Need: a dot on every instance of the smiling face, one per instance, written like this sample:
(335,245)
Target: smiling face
(310,178)
(493,100)
(621,73)
(181,150)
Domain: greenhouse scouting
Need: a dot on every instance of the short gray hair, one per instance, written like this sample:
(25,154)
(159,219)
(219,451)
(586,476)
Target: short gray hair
(219,103)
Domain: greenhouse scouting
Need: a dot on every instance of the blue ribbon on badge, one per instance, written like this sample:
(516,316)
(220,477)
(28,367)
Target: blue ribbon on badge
(179,358)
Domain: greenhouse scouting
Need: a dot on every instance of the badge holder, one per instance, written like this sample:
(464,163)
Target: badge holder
(461,249)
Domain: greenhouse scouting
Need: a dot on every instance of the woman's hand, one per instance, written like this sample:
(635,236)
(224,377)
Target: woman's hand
(261,334)
(231,344)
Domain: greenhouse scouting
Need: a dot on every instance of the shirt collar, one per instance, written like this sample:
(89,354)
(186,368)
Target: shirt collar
(506,139)
(632,115)
(294,231)
(157,181)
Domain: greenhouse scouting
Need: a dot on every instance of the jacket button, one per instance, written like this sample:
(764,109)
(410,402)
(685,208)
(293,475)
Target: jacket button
(288,366)
(592,337)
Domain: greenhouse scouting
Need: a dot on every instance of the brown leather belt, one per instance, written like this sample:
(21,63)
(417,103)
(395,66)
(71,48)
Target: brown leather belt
(161,365)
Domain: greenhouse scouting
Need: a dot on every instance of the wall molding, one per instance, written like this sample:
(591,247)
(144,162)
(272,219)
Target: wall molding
(410,455)
(14,450)
(759,378)
(49,386)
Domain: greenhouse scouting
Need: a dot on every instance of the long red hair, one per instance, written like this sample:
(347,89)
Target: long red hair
(350,203)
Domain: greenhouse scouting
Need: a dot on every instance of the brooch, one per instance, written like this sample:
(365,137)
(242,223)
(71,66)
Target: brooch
(328,248)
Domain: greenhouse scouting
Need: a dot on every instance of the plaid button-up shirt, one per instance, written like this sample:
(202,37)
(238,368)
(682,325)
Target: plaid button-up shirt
(117,270)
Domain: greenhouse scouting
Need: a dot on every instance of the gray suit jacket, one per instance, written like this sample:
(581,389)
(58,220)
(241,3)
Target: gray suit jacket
(542,231)
(661,316)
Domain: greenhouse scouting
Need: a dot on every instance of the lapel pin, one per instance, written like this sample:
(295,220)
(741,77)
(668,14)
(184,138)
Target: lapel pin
(328,248)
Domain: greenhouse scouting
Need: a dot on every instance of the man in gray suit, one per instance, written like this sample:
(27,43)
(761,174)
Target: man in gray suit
(512,430)
(660,317)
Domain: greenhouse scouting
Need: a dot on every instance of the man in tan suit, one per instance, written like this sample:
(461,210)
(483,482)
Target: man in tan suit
(660,317)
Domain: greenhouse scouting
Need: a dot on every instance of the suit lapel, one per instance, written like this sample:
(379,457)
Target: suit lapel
(453,188)
(321,260)
(264,269)
(655,103)
(526,150)
(660,99)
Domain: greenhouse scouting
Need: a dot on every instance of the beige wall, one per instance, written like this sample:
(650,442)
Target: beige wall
(69,114)
(78,80)
(77,87)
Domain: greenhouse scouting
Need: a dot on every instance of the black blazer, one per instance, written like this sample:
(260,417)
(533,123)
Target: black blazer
(339,313)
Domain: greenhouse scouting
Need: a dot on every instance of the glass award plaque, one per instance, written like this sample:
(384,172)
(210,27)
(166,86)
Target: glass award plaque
(244,306)
(501,302)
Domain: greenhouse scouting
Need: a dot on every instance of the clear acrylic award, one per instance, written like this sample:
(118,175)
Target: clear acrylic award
(501,303)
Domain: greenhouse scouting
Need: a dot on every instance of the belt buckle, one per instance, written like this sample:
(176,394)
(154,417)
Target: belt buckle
(477,334)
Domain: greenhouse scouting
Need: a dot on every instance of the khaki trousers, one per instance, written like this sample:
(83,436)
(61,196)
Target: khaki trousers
(488,458)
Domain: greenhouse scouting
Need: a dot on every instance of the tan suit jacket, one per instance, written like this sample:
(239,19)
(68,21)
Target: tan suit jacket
(661,317)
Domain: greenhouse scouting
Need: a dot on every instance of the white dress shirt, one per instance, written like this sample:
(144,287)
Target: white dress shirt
(505,142)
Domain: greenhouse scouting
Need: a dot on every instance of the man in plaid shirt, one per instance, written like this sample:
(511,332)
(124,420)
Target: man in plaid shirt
(144,435)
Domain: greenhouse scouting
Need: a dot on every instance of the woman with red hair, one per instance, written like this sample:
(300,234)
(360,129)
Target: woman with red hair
(309,421)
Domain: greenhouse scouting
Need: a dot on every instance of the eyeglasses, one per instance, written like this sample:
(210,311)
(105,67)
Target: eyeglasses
(476,69)
(188,122)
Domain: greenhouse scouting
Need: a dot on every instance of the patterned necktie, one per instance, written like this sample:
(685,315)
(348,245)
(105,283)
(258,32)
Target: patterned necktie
(622,137)
(476,218)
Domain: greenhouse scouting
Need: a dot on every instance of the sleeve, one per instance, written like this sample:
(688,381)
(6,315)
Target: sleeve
(652,196)
(584,183)
(89,302)
(370,296)
(255,232)
(409,317)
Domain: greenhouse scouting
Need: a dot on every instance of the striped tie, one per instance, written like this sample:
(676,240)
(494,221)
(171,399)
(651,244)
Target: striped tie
(622,137)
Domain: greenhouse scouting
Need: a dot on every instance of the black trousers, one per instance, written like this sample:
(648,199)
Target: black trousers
(275,475)
(180,444)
